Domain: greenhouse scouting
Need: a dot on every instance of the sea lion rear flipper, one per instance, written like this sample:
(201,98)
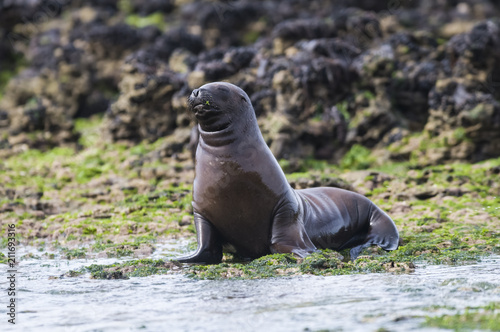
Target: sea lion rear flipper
(209,246)
(382,232)
(288,235)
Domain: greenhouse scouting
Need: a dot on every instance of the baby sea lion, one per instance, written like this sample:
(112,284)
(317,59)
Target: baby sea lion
(241,196)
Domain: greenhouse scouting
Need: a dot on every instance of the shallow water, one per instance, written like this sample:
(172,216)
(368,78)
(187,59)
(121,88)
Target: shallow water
(177,303)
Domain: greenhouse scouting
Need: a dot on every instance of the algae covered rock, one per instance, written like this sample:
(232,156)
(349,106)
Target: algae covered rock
(464,114)
(323,77)
(471,117)
(144,109)
(61,83)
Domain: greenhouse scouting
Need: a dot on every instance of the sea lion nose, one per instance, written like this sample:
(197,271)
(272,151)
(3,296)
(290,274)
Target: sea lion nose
(195,92)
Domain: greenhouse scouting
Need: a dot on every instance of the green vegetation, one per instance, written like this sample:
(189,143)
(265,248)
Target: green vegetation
(460,134)
(134,268)
(368,95)
(304,166)
(155,19)
(17,63)
(125,6)
(116,196)
(74,253)
(474,318)
(342,107)
(90,130)
(251,37)
(358,157)
(324,262)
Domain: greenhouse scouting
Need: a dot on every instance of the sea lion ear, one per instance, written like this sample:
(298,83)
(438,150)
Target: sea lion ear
(243,98)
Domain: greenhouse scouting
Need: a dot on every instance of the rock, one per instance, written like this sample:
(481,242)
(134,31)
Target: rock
(144,109)
(323,76)
(151,6)
(228,64)
(185,221)
(472,119)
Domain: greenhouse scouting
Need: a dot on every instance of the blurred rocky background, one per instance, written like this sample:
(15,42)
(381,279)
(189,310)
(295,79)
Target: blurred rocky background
(407,80)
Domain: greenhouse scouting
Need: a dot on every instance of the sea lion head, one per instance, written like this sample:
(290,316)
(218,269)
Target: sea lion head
(218,106)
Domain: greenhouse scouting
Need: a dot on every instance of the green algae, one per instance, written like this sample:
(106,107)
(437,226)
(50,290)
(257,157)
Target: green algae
(343,109)
(251,37)
(74,253)
(123,249)
(67,194)
(358,157)
(473,318)
(322,263)
(305,166)
(13,66)
(125,270)
(156,19)
(89,129)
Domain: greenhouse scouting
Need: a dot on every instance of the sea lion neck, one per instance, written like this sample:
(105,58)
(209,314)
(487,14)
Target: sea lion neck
(217,138)
(234,132)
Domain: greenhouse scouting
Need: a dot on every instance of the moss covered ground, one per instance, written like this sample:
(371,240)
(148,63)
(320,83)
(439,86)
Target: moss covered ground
(96,196)
(100,199)
(472,319)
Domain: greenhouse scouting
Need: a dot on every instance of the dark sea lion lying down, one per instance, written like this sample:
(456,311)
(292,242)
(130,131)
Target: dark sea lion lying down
(242,198)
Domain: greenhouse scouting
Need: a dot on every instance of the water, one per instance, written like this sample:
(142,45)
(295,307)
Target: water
(176,303)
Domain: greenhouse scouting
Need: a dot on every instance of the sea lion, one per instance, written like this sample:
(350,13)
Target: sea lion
(241,196)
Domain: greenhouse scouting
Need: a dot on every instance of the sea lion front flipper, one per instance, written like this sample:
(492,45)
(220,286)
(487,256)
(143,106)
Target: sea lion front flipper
(288,235)
(209,246)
